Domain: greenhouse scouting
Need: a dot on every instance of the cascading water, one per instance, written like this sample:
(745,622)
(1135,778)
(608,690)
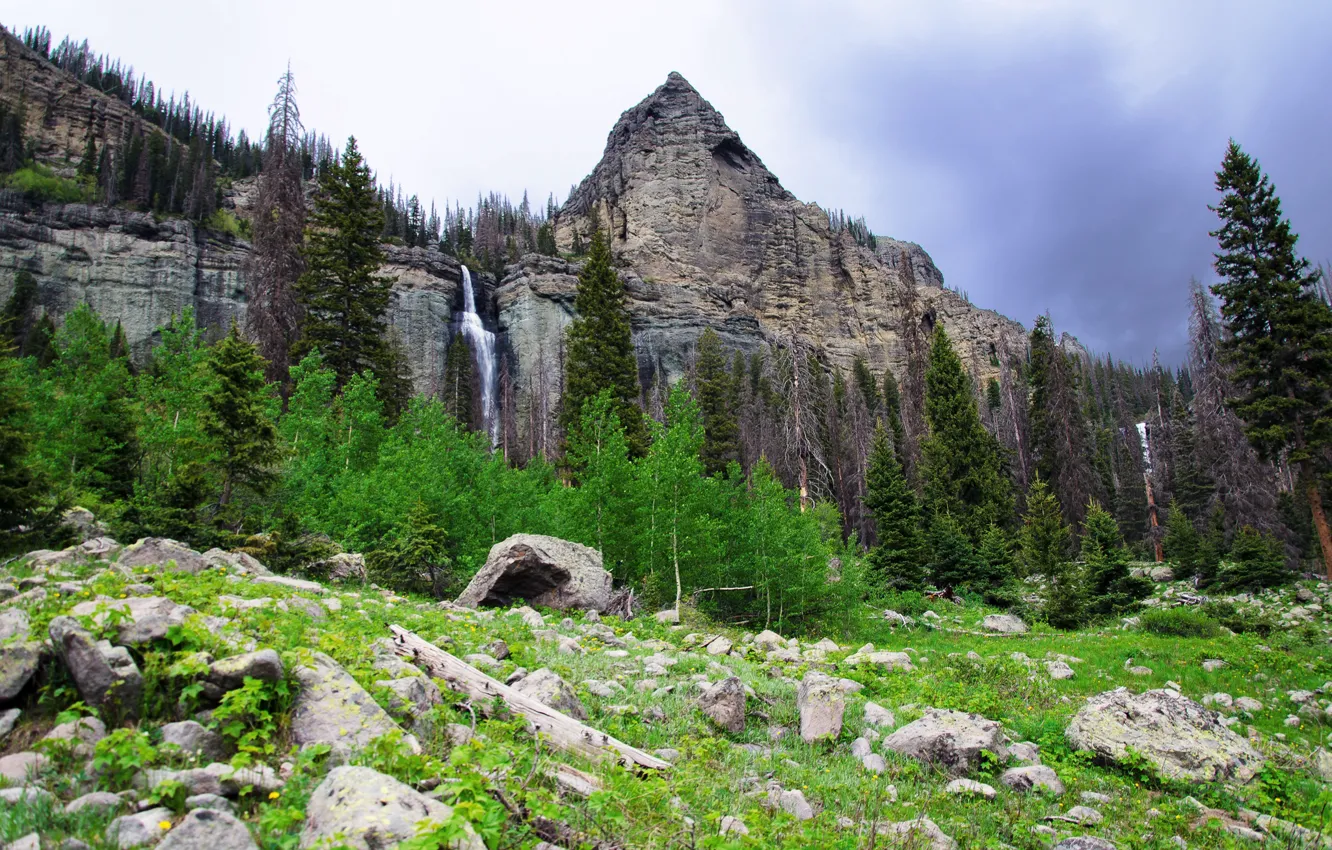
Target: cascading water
(482,342)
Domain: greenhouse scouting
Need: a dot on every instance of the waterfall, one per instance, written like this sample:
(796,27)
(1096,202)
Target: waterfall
(482,342)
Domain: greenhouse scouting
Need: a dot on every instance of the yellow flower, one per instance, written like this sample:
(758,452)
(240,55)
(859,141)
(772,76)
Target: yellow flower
(273,795)
(124,596)
(166,824)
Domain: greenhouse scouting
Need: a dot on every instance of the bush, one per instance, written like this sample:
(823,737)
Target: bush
(1180,622)
(1256,560)
(225,221)
(39,184)
(1240,621)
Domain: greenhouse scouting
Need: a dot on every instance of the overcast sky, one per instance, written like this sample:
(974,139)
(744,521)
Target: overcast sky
(1048,155)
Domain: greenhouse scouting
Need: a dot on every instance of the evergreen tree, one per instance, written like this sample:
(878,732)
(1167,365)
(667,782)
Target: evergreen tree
(953,562)
(1280,341)
(545,242)
(897,560)
(458,383)
(16,317)
(1045,549)
(892,411)
(600,348)
(19,491)
(1191,490)
(235,417)
(1257,560)
(343,298)
(994,567)
(1111,589)
(1059,434)
(716,401)
(961,462)
(1182,543)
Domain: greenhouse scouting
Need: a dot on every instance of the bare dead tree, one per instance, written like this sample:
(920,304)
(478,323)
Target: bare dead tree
(278,228)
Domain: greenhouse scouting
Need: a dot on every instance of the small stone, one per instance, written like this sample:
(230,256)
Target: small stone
(208,801)
(724,704)
(1211,665)
(860,748)
(667,754)
(1026,751)
(8,719)
(19,768)
(1085,842)
(1094,797)
(877,715)
(1058,670)
(733,825)
(102,802)
(1034,777)
(874,763)
(28,795)
(139,829)
(1006,624)
(1085,815)
(969,786)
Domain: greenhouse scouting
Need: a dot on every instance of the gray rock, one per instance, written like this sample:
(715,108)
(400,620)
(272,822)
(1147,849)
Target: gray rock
(209,829)
(13,625)
(1004,624)
(1025,751)
(215,802)
(331,708)
(19,662)
(142,829)
(27,795)
(874,763)
(724,704)
(669,617)
(99,801)
(363,809)
(1248,704)
(164,553)
(1084,842)
(228,674)
(8,718)
(261,778)
(416,695)
(31,841)
(1162,574)
(144,619)
(793,803)
(297,584)
(82,522)
(84,732)
(237,562)
(1032,777)
(821,704)
(1181,738)
(860,748)
(1058,670)
(1322,763)
(196,780)
(19,768)
(921,833)
(720,645)
(195,739)
(887,660)
(877,715)
(546,687)
(1211,665)
(731,825)
(951,739)
(970,786)
(106,675)
(542,570)
(1085,815)
(345,566)
(769,640)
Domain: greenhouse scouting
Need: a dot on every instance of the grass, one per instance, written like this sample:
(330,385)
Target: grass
(714,777)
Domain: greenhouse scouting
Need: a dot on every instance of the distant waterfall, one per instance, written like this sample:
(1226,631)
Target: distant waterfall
(482,342)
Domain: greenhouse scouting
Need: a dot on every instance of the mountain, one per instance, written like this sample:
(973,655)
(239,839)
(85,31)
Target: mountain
(705,236)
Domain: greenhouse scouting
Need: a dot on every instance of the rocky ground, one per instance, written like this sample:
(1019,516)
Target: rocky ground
(151,695)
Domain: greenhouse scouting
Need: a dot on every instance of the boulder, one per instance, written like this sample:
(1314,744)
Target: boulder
(8,718)
(31,841)
(733,825)
(195,739)
(228,674)
(82,522)
(84,733)
(887,660)
(720,645)
(290,583)
(1004,624)
(143,619)
(415,695)
(951,739)
(97,801)
(1084,842)
(1181,738)
(546,687)
(106,675)
(1032,777)
(1025,751)
(208,801)
(821,703)
(362,809)
(724,704)
(344,566)
(331,708)
(791,802)
(542,570)
(161,552)
(877,715)
(14,625)
(18,768)
(1058,670)
(768,640)
(19,662)
(238,562)
(970,786)
(1322,764)
(142,829)
(209,829)
(1161,574)
(921,833)
(27,795)
(669,616)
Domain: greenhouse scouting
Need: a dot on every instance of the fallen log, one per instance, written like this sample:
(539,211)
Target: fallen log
(562,730)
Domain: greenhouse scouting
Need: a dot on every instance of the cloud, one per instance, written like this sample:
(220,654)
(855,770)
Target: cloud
(1048,155)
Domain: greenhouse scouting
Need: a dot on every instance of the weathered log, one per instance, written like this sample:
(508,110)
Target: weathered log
(562,730)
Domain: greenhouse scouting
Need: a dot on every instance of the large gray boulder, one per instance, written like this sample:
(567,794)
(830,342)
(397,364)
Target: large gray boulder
(162,552)
(546,687)
(921,833)
(142,829)
(240,562)
(1004,624)
(209,829)
(143,619)
(821,702)
(724,704)
(953,740)
(19,662)
(331,708)
(1181,738)
(228,674)
(362,809)
(543,571)
(195,739)
(106,675)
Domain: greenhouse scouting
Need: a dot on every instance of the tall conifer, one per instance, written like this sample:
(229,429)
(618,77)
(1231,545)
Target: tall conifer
(717,402)
(235,416)
(897,561)
(1280,341)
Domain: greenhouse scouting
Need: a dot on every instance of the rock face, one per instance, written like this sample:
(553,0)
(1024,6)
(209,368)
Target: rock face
(542,570)
(1181,738)
(951,739)
(821,704)
(106,675)
(363,809)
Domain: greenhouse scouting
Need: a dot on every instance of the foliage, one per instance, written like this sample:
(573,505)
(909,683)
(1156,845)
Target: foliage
(39,185)
(20,490)
(119,756)
(896,562)
(1256,560)
(1045,545)
(248,716)
(235,417)
(953,562)
(716,400)
(1111,588)
(1179,622)
(417,559)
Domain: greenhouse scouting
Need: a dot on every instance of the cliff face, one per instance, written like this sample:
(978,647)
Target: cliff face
(706,236)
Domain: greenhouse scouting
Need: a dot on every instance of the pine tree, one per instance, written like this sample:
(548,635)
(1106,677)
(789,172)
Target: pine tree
(1045,549)
(961,461)
(1183,544)
(18,486)
(892,411)
(545,243)
(1059,434)
(235,417)
(601,348)
(1280,341)
(1257,560)
(897,561)
(716,401)
(16,317)
(1111,589)
(344,300)
(994,567)
(953,562)
(603,505)
(458,383)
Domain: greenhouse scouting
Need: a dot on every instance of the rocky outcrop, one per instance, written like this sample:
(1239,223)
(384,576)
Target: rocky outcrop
(542,570)
(1181,738)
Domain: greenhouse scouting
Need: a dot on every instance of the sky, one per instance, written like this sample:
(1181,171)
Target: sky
(1050,156)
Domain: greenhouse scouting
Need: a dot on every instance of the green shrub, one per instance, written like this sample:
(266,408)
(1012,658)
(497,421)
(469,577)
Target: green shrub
(40,184)
(1241,621)
(1180,622)
(121,755)
(225,221)
(1256,560)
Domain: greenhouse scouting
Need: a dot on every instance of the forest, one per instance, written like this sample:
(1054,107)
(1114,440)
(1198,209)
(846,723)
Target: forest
(768,488)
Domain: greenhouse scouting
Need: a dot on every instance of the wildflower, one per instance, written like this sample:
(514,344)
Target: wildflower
(273,795)
(166,824)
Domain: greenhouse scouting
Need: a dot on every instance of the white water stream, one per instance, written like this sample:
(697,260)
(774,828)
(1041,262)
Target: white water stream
(482,342)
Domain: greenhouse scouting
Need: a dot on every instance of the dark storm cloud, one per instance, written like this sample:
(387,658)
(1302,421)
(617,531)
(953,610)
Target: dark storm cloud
(1036,183)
